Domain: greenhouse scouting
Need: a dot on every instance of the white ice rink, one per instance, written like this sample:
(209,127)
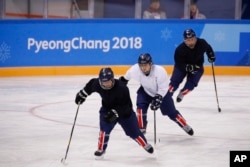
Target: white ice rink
(37,114)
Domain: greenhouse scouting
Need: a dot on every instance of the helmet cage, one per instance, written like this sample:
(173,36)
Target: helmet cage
(189,33)
(145,58)
(106,74)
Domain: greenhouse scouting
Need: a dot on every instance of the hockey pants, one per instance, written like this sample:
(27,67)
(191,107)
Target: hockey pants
(167,108)
(129,125)
(177,77)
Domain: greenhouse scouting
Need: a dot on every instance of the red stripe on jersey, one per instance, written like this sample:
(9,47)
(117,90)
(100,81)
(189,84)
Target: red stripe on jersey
(141,141)
(181,120)
(101,140)
(139,118)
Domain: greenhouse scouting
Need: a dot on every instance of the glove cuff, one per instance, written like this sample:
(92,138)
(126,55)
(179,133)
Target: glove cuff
(83,94)
(159,96)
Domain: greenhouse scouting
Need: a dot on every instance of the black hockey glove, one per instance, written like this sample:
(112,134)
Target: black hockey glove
(211,59)
(192,68)
(80,97)
(156,102)
(123,80)
(111,116)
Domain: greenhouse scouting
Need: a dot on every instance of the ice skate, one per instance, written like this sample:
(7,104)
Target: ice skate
(188,130)
(149,148)
(183,124)
(99,154)
(180,97)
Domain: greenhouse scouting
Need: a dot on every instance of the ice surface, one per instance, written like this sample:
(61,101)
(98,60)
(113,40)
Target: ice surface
(37,114)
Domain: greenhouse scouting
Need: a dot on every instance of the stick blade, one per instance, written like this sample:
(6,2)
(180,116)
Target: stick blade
(63,161)
(219,109)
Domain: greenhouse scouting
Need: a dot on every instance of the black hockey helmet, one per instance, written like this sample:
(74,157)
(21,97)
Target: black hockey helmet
(105,75)
(189,33)
(144,58)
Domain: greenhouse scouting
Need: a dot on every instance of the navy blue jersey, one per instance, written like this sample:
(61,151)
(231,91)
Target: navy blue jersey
(184,55)
(118,97)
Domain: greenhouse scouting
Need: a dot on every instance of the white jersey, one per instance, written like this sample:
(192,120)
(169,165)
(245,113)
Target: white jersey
(155,83)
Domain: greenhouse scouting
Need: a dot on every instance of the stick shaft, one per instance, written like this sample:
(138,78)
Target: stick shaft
(71,134)
(154,127)
(215,88)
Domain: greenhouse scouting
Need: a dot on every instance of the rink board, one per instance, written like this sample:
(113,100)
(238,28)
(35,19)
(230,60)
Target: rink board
(82,46)
(94,70)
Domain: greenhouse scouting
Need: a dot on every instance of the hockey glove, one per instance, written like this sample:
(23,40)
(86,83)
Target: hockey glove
(192,68)
(211,59)
(80,97)
(123,80)
(156,102)
(111,116)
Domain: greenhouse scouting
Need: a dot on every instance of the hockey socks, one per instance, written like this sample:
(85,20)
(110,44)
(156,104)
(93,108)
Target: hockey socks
(142,124)
(102,144)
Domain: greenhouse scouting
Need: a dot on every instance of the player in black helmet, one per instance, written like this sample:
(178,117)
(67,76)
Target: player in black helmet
(189,60)
(116,108)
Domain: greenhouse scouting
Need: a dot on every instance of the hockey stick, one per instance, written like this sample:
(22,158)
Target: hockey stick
(219,109)
(154,127)
(64,159)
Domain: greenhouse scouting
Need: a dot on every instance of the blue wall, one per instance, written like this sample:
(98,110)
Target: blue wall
(115,42)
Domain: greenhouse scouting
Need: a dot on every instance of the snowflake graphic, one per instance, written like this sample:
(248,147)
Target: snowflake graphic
(219,36)
(4,52)
(166,34)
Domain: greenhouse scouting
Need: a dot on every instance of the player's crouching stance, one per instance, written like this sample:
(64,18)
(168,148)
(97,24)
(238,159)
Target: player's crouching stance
(152,92)
(116,108)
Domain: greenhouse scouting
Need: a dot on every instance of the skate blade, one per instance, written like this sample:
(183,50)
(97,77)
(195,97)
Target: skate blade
(99,157)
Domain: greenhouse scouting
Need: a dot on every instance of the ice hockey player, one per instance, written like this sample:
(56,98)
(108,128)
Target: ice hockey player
(153,92)
(189,59)
(116,108)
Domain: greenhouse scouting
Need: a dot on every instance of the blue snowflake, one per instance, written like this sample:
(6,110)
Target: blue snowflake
(166,34)
(219,36)
(4,52)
